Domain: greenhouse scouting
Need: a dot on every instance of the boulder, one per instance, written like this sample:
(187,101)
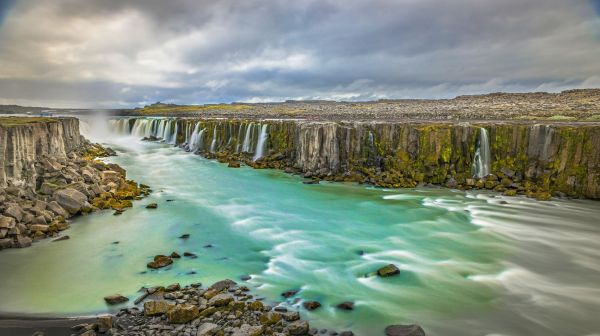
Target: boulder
(173,287)
(207,329)
(182,313)
(404,330)
(160,261)
(152,206)
(220,300)
(7,222)
(14,211)
(71,200)
(248,330)
(57,209)
(298,328)
(389,270)
(23,241)
(110,176)
(270,318)
(291,316)
(289,293)
(156,307)
(311,305)
(115,299)
(233,164)
(39,227)
(220,285)
(348,305)
(105,322)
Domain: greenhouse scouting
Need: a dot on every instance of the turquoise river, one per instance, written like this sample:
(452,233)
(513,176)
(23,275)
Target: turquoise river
(471,263)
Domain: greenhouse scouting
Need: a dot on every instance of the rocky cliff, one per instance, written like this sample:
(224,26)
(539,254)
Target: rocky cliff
(48,174)
(539,160)
(23,142)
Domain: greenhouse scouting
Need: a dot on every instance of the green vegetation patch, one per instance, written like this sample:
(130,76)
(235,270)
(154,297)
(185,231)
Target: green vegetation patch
(18,121)
(171,108)
(561,118)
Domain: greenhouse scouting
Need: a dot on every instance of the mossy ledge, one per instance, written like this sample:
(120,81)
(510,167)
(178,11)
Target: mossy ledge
(538,160)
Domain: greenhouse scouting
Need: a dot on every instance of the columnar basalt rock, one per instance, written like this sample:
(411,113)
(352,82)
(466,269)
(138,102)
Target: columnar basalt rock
(48,174)
(538,160)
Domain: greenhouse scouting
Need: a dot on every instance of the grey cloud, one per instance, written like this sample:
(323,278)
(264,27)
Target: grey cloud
(126,52)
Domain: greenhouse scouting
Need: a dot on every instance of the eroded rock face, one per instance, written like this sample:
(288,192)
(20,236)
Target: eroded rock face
(537,160)
(44,182)
(24,145)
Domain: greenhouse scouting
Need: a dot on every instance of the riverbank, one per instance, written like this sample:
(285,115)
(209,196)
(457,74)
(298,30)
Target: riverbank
(48,174)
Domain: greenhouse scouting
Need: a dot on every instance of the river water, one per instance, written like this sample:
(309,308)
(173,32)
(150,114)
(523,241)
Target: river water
(471,263)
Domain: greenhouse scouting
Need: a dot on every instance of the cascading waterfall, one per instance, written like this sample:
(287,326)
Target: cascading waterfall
(213,145)
(192,144)
(173,139)
(260,145)
(238,145)
(481,161)
(247,139)
(371,140)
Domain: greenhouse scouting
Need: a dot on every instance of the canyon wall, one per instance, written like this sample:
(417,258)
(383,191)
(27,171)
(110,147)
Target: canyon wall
(524,158)
(24,144)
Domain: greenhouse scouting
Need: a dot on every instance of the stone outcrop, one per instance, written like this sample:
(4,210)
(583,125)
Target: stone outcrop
(48,174)
(538,160)
(24,144)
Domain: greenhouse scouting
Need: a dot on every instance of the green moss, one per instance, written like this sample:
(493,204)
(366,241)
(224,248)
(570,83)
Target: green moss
(18,121)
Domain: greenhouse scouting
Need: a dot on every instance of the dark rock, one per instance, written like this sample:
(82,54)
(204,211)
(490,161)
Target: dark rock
(175,255)
(173,287)
(348,305)
(160,261)
(185,236)
(245,277)
(389,270)
(233,164)
(221,285)
(289,293)
(404,330)
(346,333)
(208,246)
(190,255)
(152,206)
(311,182)
(311,305)
(115,299)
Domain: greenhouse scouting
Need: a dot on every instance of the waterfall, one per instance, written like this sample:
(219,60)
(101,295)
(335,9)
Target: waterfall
(192,145)
(214,140)
(481,161)
(173,139)
(260,145)
(247,139)
(371,140)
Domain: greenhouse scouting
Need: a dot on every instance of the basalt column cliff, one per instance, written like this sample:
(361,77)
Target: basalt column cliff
(538,160)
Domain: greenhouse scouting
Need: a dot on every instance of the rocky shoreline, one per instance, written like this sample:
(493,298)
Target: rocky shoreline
(52,187)
(224,308)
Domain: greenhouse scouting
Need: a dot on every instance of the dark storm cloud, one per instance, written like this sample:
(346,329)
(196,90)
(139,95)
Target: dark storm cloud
(131,52)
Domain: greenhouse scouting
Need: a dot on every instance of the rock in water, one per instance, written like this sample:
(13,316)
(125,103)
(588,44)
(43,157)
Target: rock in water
(388,271)
(71,200)
(311,305)
(160,261)
(233,164)
(152,206)
(348,305)
(115,299)
(183,313)
(404,330)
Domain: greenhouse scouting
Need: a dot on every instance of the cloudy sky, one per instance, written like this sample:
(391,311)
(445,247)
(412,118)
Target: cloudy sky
(116,53)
